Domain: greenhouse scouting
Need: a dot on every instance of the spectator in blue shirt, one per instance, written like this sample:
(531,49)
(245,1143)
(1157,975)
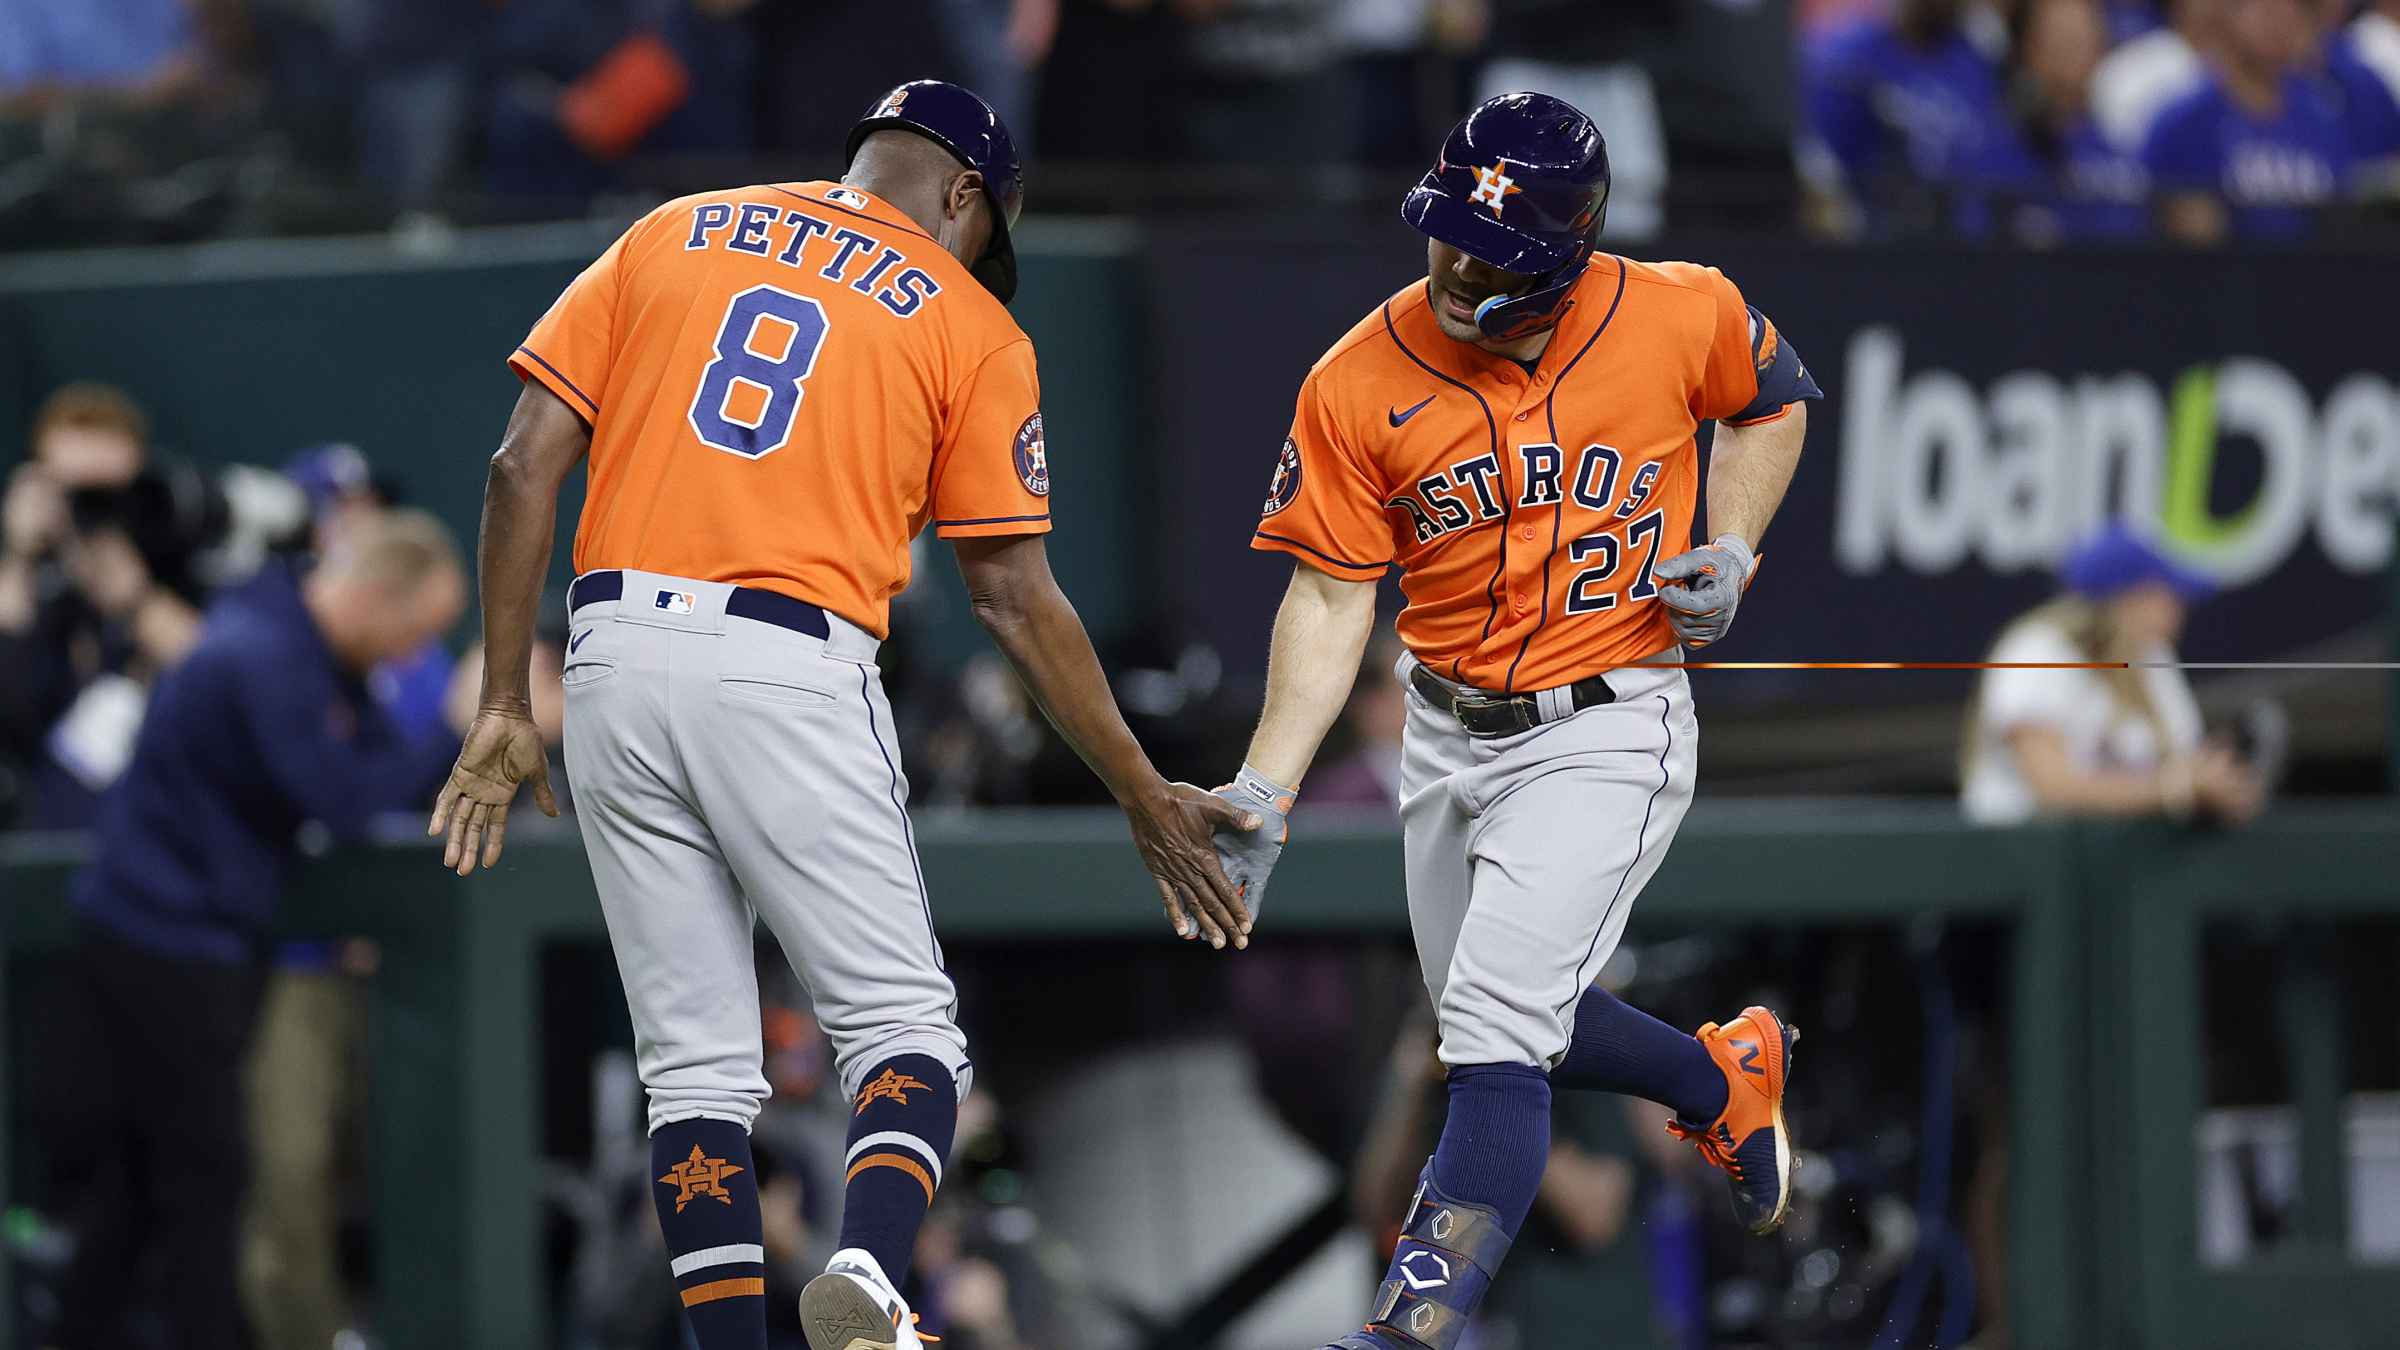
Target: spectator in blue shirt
(2255,150)
(1904,110)
(266,726)
(2081,186)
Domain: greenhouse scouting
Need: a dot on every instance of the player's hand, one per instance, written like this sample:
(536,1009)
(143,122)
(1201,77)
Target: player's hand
(1249,854)
(1174,827)
(1700,588)
(503,749)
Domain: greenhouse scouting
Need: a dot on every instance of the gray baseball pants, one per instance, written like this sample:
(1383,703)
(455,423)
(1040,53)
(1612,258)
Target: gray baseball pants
(724,770)
(1525,854)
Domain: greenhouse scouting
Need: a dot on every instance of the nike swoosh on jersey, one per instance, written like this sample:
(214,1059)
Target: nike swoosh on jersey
(1398,416)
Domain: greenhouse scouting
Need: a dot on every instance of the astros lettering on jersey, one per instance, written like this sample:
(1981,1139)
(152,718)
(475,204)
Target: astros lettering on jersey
(797,379)
(1526,508)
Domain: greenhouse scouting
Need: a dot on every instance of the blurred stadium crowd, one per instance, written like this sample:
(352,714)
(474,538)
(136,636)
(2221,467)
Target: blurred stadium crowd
(2036,121)
(110,556)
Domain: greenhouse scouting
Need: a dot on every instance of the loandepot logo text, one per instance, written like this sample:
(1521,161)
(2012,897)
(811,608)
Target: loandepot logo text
(1936,471)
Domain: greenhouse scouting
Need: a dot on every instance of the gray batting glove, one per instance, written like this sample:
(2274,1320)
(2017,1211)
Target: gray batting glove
(1248,855)
(1701,588)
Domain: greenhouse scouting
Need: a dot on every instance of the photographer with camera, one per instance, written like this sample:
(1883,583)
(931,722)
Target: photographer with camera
(98,584)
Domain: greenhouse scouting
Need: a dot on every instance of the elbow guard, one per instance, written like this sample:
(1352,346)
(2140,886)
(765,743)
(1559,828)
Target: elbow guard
(1782,378)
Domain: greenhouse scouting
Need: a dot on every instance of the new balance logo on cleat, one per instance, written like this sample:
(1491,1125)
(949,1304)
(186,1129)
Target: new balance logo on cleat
(1749,1141)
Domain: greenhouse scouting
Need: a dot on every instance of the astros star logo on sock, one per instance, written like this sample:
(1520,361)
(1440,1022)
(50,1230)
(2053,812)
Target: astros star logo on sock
(891,1085)
(700,1174)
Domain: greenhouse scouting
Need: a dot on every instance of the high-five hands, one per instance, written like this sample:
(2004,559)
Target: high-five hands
(1173,827)
(1248,854)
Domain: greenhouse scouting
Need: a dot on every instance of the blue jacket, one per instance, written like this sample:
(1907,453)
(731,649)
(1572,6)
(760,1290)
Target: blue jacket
(257,732)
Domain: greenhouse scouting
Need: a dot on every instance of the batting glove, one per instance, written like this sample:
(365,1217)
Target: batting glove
(1248,855)
(1701,588)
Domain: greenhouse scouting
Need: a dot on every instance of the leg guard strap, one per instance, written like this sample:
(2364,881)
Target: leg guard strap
(1416,1320)
(1448,1253)
(1470,1231)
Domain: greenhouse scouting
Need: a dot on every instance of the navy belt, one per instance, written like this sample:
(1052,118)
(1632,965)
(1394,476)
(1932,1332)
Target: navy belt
(746,602)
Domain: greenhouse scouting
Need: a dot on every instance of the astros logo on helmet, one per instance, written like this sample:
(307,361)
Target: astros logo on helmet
(1493,185)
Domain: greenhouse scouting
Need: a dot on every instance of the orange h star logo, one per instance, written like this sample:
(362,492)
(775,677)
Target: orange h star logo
(700,1174)
(895,1086)
(1493,186)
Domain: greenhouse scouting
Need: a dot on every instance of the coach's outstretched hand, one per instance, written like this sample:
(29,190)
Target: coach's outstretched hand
(1700,588)
(503,748)
(1175,829)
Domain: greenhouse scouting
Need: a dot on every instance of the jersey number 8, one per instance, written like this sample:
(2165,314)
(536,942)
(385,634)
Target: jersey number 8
(747,399)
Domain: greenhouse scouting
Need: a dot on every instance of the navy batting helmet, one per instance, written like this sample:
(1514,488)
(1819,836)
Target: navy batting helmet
(1522,185)
(963,124)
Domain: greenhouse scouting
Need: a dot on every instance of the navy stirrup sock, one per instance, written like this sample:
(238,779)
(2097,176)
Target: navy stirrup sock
(707,1195)
(901,1124)
(1620,1048)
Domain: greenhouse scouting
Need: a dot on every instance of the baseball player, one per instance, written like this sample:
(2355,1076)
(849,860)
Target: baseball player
(1515,432)
(777,387)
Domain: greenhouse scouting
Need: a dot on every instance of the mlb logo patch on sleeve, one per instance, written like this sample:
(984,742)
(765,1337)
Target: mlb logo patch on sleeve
(675,602)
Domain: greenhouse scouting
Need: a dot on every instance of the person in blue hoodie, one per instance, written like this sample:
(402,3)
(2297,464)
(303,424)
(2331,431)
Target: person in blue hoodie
(268,725)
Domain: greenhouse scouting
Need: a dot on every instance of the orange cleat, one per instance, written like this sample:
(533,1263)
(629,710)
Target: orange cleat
(1748,1141)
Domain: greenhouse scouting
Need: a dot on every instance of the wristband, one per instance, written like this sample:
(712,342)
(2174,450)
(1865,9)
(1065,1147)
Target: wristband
(1253,786)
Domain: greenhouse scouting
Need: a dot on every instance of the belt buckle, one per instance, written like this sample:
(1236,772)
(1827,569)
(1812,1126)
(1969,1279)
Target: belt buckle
(1467,702)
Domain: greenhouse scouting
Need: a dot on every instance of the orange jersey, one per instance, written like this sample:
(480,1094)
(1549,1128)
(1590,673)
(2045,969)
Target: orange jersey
(1526,510)
(785,383)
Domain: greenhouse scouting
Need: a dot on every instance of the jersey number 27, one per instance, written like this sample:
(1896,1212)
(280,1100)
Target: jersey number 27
(748,397)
